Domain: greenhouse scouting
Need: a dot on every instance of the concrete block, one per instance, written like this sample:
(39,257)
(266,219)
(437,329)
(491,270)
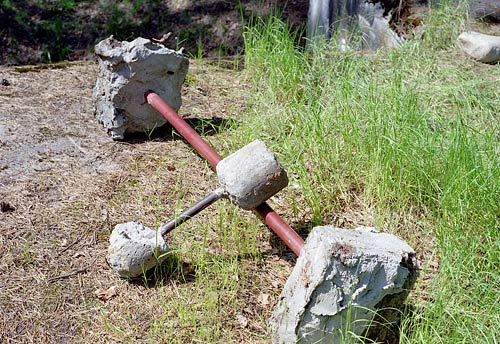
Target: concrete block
(340,279)
(134,249)
(126,71)
(251,175)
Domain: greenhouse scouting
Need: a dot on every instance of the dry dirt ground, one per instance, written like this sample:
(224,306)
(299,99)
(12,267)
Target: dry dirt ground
(64,184)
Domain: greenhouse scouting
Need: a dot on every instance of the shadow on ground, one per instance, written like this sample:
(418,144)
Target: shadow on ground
(172,270)
(51,31)
(203,126)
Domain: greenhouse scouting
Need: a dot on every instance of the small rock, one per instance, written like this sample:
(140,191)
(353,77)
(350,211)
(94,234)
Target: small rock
(134,249)
(242,320)
(263,299)
(481,47)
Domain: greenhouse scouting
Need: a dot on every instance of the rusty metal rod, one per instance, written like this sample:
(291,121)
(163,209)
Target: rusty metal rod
(273,220)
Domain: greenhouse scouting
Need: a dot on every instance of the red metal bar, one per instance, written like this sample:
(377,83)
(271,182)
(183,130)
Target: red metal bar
(183,128)
(281,228)
(273,220)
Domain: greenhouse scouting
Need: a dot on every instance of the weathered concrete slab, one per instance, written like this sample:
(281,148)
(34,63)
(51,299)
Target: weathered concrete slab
(126,71)
(338,283)
(481,47)
(251,175)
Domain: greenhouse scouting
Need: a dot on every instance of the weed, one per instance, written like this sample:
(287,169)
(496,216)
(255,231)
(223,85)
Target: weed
(447,19)
(149,132)
(405,130)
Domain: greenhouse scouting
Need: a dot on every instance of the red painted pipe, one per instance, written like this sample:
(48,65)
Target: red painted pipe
(273,220)
(183,128)
(281,228)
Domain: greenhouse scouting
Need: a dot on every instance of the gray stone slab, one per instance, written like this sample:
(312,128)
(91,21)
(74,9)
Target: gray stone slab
(340,280)
(481,47)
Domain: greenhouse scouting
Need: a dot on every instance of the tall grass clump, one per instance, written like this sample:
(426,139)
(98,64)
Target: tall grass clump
(270,45)
(409,135)
(446,20)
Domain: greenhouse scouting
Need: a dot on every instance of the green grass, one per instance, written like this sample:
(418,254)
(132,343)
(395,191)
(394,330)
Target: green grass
(411,133)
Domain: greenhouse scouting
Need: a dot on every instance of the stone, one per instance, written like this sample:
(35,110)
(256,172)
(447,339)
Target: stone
(481,47)
(345,19)
(378,34)
(251,175)
(325,17)
(485,10)
(126,71)
(135,249)
(340,281)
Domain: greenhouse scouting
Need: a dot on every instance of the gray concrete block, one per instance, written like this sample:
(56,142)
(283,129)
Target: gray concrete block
(134,249)
(251,175)
(338,283)
(126,71)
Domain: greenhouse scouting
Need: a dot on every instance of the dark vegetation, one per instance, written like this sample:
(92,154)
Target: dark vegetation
(33,31)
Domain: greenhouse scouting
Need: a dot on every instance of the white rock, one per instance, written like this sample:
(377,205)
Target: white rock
(481,47)
(339,281)
(126,71)
(134,249)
